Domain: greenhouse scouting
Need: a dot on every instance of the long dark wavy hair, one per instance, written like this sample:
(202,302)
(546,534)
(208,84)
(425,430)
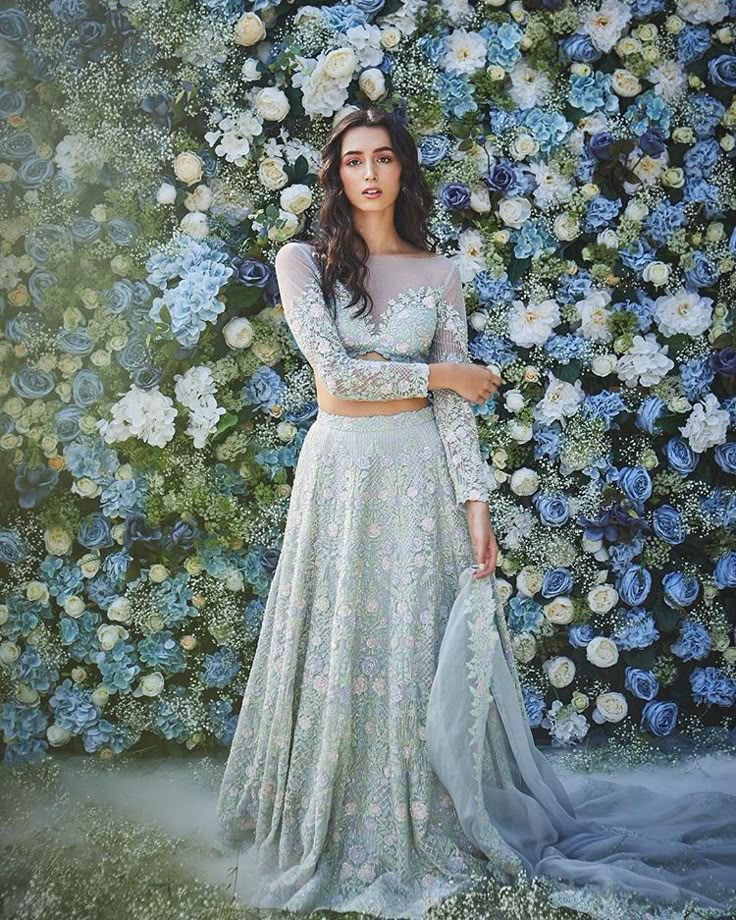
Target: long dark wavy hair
(340,251)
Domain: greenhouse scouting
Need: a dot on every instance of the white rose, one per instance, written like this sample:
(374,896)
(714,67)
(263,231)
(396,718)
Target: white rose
(566,227)
(9,652)
(58,541)
(150,685)
(560,671)
(249,72)
(340,64)
(529,580)
(24,694)
(656,273)
(86,487)
(519,432)
(504,590)
(559,610)
(514,212)
(37,591)
(188,168)
(100,696)
(603,365)
(108,636)
(166,193)
(373,83)
(200,199)
(625,83)
(249,29)
(285,431)
(158,573)
(271,173)
(296,198)
(4,614)
(74,606)
(57,736)
(272,104)
(234,581)
(636,211)
(89,564)
(480,199)
(514,400)
(524,146)
(610,707)
(120,610)
(602,598)
(602,652)
(195,224)
(238,333)
(524,481)
(390,38)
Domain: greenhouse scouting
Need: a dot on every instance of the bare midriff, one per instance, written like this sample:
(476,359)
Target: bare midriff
(332,404)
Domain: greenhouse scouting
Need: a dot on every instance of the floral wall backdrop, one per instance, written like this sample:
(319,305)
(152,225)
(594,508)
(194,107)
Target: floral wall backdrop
(155,154)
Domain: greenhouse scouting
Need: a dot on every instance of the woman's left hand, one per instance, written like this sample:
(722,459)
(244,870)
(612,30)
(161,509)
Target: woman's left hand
(482,537)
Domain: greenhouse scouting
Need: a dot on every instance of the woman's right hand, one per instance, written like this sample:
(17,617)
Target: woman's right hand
(475,382)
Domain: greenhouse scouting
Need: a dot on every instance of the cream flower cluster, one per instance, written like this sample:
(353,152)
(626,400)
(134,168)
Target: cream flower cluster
(196,390)
(144,414)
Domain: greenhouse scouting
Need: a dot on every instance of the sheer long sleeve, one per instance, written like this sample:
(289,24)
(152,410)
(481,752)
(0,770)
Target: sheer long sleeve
(453,413)
(319,341)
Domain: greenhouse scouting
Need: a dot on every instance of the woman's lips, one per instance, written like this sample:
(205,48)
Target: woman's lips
(372,194)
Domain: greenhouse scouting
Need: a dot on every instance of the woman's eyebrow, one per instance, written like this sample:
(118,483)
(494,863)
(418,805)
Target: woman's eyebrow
(375,151)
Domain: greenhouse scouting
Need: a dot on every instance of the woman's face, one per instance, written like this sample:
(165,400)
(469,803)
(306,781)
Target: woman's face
(367,160)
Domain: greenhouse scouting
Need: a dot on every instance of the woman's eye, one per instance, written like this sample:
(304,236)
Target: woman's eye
(348,163)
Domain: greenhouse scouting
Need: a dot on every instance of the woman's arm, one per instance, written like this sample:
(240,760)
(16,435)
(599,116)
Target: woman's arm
(319,341)
(453,413)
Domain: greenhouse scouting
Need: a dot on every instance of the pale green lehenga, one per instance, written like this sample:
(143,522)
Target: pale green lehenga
(382,759)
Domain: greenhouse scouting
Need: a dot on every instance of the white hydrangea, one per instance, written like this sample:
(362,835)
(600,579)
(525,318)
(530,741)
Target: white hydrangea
(195,389)
(233,135)
(594,316)
(706,425)
(324,82)
(561,400)
(552,187)
(144,414)
(606,25)
(79,156)
(528,86)
(366,43)
(669,79)
(698,11)
(646,363)
(684,312)
(564,723)
(465,52)
(532,324)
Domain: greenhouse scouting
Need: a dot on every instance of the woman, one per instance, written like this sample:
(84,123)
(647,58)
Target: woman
(373,768)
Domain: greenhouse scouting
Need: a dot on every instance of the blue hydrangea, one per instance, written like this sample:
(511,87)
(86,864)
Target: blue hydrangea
(704,114)
(73,708)
(638,255)
(502,44)
(31,669)
(549,129)
(547,440)
(532,240)
(643,309)
(172,599)
(122,497)
(694,641)
(664,220)
(701,158)
(79,635)
(223,720)
(343,17)
(220,668)
(492,349)
(455,92)
(693,43)
(635,629)
(63,578)
(696,376)
(492,290)
(118,667)
(534,705)
(566,348)
(712,687)
(574,287)
(23,727)
(601,213)
(161,652)
(649,110)
(605,406)
(104,734)
(264,389)
(92,458)
(592,92)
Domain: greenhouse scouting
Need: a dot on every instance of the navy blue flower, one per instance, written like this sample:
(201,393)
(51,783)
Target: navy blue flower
(34,484)
(534,705)
(724,361)
(600,145)
(455,196)
(659,717)
(653,141)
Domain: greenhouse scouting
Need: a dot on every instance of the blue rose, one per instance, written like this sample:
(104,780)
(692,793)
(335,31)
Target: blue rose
(252,272)
(146,377)
(534,705)
(557,581)
(455,196)
(643,684)
(12,548)
(121,231)
(87,388)
(724,573)
(634,585)
(722,71)
(6,424)
(31,382)
(680,456)
(95,532)
(725,457)
(433,148)
(34,484)
(580,634)
(137,530)
(578,47)
(12,102)
(653,141)
(553,510)
(34,172)
(75,341)
(650,410)
(119,297)
(702,273)
(659,717)
(680,590)
(600,145)
(135,354)
(724,361)
(694,641)
(668,524)
(38,283)
(85,230)
(66,424)
(635,482)
(500,177)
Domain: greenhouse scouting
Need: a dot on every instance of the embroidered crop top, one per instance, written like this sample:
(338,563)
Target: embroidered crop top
(418,319)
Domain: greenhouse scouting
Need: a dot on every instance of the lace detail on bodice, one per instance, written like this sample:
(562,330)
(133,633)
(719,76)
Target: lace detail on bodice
(424,323)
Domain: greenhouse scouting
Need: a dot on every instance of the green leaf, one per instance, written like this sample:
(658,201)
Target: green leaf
(665,617)
(226,421)
(567,372)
